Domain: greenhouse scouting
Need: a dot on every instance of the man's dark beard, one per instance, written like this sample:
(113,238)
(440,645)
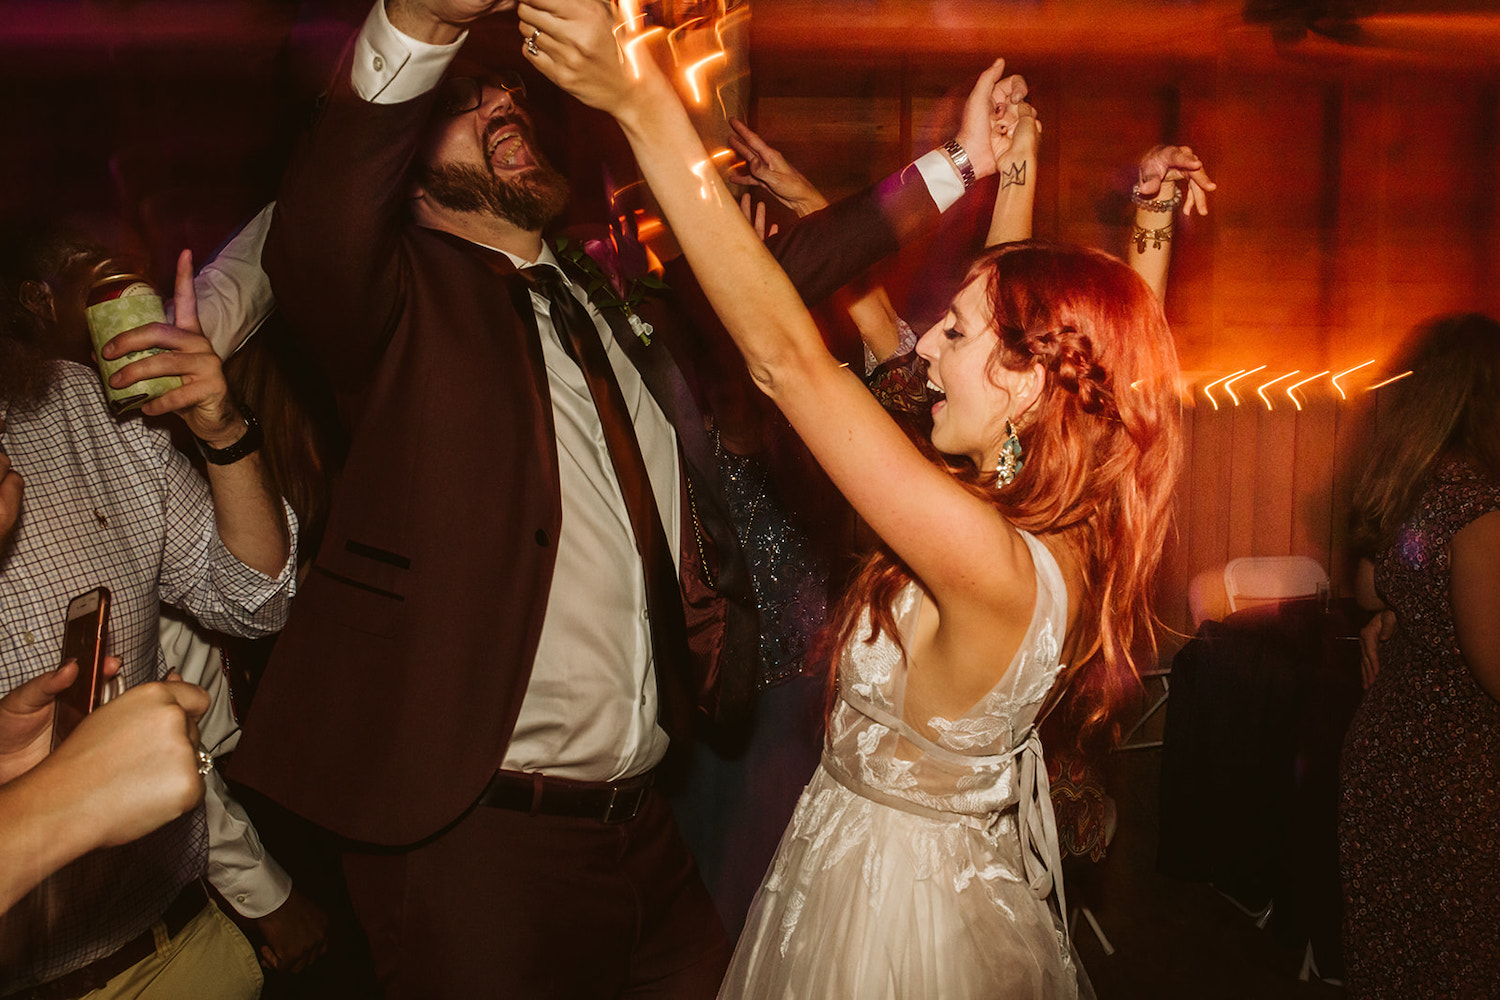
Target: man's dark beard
(26,373)
(530,201)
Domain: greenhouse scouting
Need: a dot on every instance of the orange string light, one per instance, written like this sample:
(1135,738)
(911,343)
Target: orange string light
(1261,392)
(1229,385)
(1291,389)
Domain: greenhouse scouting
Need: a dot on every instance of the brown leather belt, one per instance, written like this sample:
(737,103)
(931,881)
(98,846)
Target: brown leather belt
(541,794)
(188,904)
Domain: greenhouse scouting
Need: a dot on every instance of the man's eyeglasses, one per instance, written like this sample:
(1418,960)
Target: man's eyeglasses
(461,94)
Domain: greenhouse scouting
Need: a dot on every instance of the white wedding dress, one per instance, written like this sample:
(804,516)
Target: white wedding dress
(913,868)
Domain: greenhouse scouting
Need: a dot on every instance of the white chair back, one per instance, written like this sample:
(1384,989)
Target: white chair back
(1256,580)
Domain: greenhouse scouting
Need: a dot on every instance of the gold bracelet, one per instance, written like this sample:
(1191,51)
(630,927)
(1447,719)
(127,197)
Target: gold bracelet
(1157,236)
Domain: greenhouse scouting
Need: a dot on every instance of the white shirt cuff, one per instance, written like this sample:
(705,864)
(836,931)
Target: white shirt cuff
(391,67)
(943,182)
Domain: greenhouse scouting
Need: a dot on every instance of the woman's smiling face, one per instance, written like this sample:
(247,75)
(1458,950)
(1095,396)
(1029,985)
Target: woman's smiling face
(979,394)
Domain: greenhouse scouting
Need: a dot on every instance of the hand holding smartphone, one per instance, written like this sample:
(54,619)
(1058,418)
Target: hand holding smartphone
(83,640)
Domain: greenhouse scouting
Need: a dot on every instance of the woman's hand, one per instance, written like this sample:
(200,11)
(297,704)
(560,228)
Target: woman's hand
(573,42)
(1019,144)
(1376,630)
(766,168)
(1169,164)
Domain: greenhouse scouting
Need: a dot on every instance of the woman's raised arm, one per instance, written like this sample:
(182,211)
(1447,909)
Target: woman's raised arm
(956,544)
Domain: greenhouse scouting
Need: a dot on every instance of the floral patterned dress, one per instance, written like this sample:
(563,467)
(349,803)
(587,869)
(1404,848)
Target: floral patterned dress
(1419,821)
(920,868)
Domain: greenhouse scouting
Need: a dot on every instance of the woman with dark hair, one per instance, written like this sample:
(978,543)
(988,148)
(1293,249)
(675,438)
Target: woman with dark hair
(1419,824)
(1020,550)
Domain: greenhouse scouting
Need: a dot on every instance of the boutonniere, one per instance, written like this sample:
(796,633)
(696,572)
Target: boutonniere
(618,276)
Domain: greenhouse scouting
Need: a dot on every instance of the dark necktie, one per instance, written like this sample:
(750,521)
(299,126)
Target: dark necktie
(580,338)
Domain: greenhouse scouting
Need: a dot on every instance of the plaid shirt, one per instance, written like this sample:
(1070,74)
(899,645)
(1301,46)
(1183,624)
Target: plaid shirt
(112,503)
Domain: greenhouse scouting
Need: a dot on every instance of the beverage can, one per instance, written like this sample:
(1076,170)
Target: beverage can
(116,303)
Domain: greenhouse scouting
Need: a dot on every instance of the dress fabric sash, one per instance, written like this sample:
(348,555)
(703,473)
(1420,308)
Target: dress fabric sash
(1036,823)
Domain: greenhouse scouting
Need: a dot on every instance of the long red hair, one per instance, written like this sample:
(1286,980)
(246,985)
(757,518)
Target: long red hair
(1102,451)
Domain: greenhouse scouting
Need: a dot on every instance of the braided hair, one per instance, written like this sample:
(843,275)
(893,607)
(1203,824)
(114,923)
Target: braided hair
(1103,448)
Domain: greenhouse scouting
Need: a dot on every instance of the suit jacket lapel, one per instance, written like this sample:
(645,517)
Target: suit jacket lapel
(519,292)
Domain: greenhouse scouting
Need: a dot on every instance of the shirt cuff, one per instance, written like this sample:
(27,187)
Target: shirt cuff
(391,67)
(262,597)
(234,293)
(943,182)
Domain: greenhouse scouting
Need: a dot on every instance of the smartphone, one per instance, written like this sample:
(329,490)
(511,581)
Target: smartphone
(83,640)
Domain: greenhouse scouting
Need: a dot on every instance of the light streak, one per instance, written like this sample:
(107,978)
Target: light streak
(704,169)
(629,48)
(1393,378)
(1290,389)
(1229,386)
(1261,392)
(1348,371)
(1215,382)
(672,37)
(691,73)
(630,12)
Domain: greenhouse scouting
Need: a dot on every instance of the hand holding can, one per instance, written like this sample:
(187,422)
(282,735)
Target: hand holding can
(117,303)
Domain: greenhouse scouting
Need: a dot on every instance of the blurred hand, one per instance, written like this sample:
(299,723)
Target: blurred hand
(203,401)
(296,934)
(1176,163)
(990,115)
(11,488)
(766,168)
(1377,630)
(440,21)
(755,212)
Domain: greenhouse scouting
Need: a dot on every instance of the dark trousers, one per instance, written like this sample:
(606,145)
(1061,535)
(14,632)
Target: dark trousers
(506,904)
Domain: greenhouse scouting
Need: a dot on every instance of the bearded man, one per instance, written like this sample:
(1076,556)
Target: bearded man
(528,584)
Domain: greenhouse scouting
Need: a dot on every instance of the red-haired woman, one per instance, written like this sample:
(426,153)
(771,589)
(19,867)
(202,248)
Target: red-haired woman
(922,854)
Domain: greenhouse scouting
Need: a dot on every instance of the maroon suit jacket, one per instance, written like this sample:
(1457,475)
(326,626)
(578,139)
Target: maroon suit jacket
(393,691)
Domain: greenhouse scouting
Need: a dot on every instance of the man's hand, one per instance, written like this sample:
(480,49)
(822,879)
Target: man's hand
(203,401)
(990,115)
(296,934)
(439,22)
(10,497)
(765,167)
(1175,163)
(26,717)
(1376,630)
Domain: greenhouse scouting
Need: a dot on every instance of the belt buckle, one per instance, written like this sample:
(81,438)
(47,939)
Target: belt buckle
(624,804)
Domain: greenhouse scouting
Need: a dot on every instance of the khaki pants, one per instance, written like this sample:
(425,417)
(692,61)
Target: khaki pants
(209,960)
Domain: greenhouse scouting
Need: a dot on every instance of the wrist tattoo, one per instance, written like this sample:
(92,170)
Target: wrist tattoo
(1014,175)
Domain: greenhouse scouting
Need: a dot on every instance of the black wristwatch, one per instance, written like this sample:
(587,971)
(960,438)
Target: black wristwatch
(249,442)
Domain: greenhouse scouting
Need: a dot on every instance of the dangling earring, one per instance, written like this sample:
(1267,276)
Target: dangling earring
(1010,457)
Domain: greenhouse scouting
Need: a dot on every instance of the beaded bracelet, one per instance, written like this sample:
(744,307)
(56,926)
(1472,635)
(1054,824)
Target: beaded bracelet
(1164,205)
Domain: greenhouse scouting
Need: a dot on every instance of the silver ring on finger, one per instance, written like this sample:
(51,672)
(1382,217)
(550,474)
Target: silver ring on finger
(531,48)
